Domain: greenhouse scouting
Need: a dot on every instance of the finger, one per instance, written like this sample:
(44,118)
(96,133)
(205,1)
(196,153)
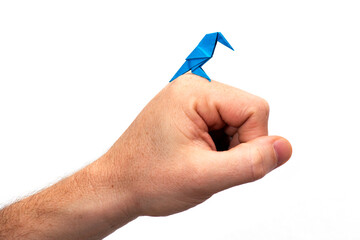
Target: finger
(244,163)
(241,112)
(244,111)
(234,141)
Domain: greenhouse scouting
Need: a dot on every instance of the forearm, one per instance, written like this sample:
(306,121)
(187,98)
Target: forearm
(81,206)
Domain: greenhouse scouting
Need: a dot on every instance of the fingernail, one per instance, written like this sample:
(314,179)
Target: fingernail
(282,150)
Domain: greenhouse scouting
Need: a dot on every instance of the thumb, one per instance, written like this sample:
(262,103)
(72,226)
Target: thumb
(244,163)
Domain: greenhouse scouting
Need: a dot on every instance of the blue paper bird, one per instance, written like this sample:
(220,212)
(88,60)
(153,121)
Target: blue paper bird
(201,54)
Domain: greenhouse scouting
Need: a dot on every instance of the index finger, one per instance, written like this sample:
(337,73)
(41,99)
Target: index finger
(244,116)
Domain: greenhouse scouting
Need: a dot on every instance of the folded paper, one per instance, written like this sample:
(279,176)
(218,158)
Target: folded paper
(201,54)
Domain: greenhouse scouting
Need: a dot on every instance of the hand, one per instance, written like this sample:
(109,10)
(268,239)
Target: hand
(167,159)
(165,162)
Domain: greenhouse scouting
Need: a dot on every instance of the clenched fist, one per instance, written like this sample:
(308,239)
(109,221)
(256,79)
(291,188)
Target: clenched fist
(192,140)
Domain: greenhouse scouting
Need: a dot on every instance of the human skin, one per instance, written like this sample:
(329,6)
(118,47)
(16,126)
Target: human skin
(165,162)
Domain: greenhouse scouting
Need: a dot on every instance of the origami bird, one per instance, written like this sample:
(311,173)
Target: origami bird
(201,54)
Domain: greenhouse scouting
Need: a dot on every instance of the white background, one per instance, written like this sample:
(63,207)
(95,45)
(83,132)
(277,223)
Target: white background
(74,74)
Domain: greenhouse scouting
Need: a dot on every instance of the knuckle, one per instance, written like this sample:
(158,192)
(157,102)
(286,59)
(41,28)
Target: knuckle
(261,109)
(181,86)
(264,106)
(185,80)
(257,163)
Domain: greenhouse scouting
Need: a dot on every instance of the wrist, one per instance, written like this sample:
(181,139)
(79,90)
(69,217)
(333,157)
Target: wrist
(114,199)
